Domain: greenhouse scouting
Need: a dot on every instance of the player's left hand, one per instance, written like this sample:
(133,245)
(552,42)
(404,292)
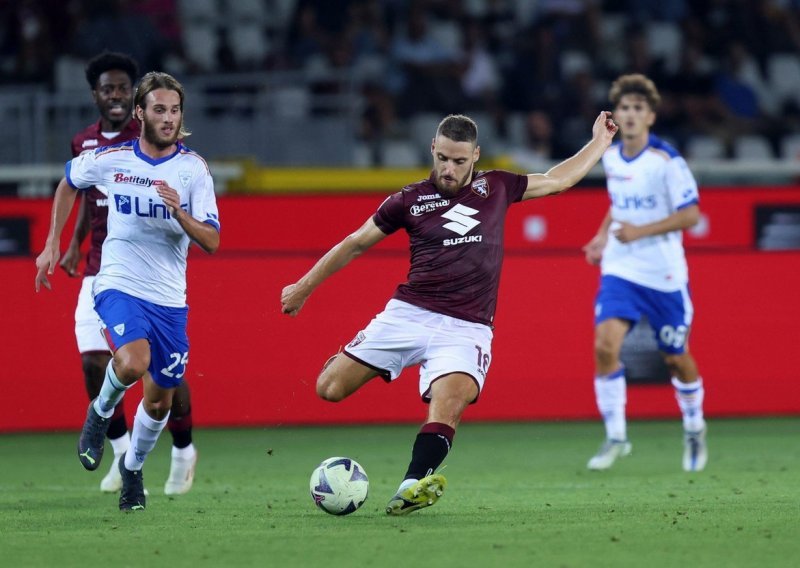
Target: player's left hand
(292,299)
(604,127)
(170,197)
(626,233)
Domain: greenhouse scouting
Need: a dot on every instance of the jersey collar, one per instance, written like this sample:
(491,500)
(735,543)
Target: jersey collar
(155,161)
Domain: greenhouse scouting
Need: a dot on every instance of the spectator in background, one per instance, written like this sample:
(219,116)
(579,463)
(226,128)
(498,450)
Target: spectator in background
(28,40)
(420,59)
(541,144)
(480,81)
(114,25)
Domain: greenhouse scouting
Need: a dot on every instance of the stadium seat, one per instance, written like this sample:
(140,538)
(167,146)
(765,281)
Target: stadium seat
(704,148)
(783,71)
(198,11)
(752,147)
(245,11)
(790,147)
(664,40)
(200,43)
(422,129)
(248,42)
(517,129)
(400,154)
(291,101)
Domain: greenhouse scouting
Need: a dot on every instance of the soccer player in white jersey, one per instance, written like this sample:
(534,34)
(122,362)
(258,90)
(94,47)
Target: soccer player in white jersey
(111,77)
(639,248)
(441,318)
(161,198)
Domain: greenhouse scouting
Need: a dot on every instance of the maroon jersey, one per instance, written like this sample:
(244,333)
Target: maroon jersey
(456,242)
(90,139)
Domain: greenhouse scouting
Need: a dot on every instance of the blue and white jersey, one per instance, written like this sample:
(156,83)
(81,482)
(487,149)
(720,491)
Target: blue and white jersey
(643,189)
(145,252)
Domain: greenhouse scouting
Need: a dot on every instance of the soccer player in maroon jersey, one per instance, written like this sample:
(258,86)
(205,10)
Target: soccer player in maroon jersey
(111,77)
(441,318)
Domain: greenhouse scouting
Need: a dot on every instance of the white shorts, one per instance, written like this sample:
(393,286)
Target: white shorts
(88,329)
(403,335)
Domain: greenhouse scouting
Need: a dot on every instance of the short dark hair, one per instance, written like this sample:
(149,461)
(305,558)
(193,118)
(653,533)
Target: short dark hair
(158,80)
(634,84)
(107,61)
(458,128)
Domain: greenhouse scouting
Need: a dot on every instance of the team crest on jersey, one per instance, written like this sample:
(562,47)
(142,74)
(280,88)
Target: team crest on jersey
(481,187)
(120,329)
(185,177)
(357,339)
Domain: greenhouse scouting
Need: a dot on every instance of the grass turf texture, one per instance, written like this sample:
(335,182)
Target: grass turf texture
(518,495)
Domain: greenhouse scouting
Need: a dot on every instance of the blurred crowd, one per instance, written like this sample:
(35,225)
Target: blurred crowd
(728,70)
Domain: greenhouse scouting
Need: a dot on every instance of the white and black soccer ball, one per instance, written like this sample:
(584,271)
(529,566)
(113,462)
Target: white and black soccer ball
(339,485)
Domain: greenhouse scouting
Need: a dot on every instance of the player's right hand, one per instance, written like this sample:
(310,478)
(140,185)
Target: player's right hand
(594,250)
(292,299)
(70,261)
(46,264)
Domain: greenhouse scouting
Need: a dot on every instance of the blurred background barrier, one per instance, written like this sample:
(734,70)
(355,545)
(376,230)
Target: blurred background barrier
(251,365)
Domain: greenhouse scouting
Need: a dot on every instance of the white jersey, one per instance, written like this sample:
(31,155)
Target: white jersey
(643,189)
(144,254)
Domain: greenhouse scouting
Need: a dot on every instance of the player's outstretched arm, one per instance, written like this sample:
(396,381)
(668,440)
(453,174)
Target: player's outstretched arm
(47,260)
(294,295)
(72,256)
(569,172)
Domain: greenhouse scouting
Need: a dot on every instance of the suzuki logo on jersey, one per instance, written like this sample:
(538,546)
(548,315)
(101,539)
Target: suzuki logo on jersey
(633,201)
(460,218)
(481,187)
(141,208)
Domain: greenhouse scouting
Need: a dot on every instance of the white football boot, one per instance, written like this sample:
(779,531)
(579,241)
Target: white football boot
(695,450)
(112,482)
(608,454)
(181,475)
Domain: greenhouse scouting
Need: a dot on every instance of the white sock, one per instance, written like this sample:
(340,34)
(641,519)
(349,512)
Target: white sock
(143,438)
(690,400)
(184,453)
(111,393)
(610,391)
(121,445)
(406,484)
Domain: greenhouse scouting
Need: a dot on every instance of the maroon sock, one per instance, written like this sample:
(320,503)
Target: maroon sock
(181,430)
(430,448)
(118,426)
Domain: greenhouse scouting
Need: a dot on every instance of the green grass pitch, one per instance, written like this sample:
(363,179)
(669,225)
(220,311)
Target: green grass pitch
(518,495)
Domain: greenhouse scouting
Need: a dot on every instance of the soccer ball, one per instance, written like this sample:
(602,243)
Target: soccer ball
(339,485)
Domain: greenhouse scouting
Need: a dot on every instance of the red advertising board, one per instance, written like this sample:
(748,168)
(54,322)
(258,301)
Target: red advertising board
(249,364)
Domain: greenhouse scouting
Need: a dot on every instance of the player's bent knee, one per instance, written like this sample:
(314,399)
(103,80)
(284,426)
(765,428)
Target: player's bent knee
(330,390)
(605,351)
